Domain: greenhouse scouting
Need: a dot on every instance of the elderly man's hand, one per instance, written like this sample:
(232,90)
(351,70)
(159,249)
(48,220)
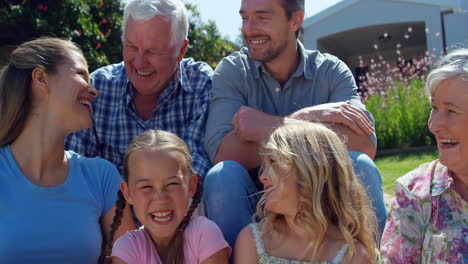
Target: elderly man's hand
(338,113)
(254,125)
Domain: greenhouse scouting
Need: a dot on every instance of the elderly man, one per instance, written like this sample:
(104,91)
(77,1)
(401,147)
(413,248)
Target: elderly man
(272,81)
(154,87)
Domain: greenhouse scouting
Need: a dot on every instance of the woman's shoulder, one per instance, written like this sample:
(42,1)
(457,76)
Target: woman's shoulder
(418,181)
(95,165)
(93,161)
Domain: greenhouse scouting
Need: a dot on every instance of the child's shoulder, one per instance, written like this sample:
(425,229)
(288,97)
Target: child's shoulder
(132,245)
(204,238)
(135,236)
(245,250)
(202,224)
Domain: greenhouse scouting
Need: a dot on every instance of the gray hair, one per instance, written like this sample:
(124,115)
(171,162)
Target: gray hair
(454,64)
(172,10)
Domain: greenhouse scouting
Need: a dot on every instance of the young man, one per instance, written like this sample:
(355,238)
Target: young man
(153,88)
(271,81)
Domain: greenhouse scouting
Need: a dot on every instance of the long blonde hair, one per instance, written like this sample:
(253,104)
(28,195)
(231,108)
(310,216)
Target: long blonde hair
(328,191)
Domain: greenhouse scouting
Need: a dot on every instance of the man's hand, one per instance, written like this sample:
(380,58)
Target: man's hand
(339,113)
(254,125)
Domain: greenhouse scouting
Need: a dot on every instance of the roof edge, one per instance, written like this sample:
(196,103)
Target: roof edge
(327,12)
(345,4)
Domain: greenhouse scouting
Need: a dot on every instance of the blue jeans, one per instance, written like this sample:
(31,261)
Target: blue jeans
(231,195)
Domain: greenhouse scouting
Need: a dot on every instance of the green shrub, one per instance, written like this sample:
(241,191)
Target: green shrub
(95,25)
(401,115)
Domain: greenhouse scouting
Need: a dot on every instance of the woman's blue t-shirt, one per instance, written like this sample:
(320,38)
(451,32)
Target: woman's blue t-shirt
(57,224)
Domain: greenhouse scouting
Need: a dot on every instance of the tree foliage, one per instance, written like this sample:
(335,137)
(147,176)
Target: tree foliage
(96,25)
(205,40)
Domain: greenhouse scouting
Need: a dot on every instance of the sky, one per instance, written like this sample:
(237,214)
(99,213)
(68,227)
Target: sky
(225,13)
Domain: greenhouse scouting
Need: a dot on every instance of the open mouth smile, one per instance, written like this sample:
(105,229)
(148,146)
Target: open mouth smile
(448,143)
(143,73)
(86,103)
(162,217)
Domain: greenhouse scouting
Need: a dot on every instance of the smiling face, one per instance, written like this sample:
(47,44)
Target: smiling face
(150,58)
(449,123)
(266,30)
(159,188)
(71,94)
(280,191)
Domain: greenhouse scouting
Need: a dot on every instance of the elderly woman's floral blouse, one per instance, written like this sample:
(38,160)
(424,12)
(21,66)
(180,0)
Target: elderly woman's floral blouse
(428,220)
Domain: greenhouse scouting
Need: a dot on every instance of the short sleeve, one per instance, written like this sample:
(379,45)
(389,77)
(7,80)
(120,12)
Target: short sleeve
(111,185)
(207,235)
(125,248)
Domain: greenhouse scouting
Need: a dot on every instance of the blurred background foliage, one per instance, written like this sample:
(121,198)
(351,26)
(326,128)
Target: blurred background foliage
(96,26)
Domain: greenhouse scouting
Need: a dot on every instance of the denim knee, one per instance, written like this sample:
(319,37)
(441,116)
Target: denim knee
(230,198)
(226,173)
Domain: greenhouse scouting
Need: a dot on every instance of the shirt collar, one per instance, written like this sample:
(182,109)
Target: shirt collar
(442,179)
(302,69)
(179,76)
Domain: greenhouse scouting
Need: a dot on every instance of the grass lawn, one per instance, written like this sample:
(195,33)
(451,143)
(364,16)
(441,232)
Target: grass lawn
(393,167)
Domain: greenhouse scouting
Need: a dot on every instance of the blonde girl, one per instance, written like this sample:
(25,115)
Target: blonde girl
(313,209)
(159,182)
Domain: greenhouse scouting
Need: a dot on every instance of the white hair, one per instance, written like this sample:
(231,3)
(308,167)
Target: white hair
(454,64)
(172,10)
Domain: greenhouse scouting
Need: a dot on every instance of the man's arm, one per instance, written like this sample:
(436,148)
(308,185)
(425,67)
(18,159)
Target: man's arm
(232,148)
(252,127)
(229,94)
(353,141)
(349,122)
(344,108)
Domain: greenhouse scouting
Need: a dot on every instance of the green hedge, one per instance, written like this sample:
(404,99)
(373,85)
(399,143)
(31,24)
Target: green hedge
(401,116)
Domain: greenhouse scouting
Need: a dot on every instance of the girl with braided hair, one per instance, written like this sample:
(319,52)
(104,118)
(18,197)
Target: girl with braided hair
(159,182)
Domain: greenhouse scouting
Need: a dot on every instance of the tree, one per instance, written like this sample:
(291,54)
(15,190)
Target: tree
(205,41)
(95,25)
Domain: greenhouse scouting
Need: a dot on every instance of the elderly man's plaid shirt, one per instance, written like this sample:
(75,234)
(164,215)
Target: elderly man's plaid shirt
(181,109)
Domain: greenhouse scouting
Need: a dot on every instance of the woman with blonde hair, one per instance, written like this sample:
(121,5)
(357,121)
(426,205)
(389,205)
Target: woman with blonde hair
(55,205)
(313,209)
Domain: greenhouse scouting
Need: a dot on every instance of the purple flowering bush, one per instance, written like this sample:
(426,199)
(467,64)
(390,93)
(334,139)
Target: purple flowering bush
(395,95)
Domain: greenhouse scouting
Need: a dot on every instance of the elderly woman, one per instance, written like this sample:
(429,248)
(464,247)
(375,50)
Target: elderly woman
(428,219)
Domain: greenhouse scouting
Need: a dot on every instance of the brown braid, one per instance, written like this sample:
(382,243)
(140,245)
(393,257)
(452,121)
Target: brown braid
(116,221)
(176,246)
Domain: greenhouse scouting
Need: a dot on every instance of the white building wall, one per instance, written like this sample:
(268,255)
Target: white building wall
(375,12)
